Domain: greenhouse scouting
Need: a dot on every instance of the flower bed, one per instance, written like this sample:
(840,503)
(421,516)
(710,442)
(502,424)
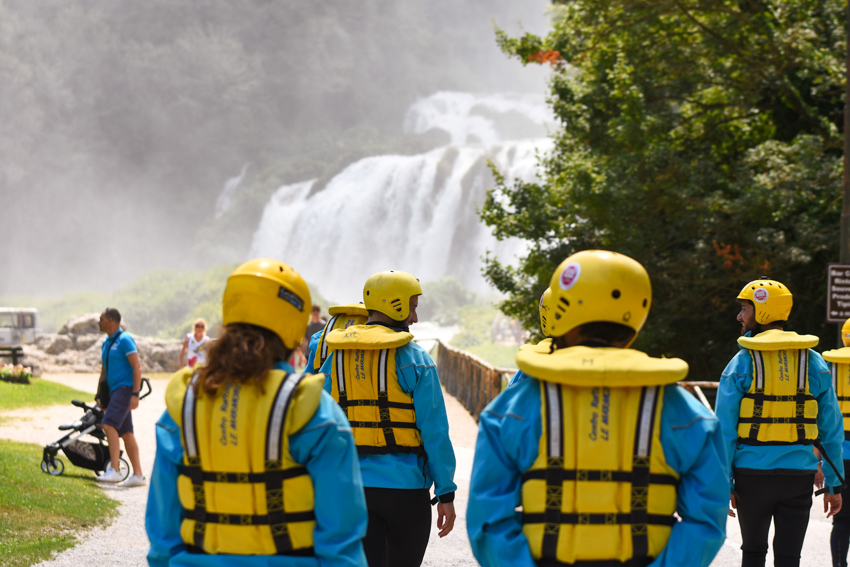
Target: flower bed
(17,374)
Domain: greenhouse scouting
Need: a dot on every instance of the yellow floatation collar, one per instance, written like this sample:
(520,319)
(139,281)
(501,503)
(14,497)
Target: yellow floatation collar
(774,339)
(839,355)
(349,309)
(367,337)
(543,346)
(305,400)
(607,366)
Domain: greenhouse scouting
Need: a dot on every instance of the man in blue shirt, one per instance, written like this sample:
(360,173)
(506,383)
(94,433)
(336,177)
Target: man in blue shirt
(124,377)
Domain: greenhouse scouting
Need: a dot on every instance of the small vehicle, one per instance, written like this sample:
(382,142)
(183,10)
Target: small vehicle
(18,325)
(85,454)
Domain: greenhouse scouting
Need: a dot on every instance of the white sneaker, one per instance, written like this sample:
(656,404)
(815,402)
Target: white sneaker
(111,475)
(133,480)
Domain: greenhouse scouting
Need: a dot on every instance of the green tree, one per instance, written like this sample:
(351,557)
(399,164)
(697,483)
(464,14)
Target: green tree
(701,137)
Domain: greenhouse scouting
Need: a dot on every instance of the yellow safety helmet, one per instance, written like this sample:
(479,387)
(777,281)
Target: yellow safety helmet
(595,286)
(390,292)
(771,299)
(845,332)
(545,308)
(268,293)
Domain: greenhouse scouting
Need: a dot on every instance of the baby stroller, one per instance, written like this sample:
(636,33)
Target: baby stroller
(93,456)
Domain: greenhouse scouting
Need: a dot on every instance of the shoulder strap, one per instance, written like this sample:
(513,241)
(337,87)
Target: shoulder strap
(323,355)
(106,357)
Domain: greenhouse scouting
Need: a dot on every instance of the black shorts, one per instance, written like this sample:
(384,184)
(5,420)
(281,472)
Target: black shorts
(118,414)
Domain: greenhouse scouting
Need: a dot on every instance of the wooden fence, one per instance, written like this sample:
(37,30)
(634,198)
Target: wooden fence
(468,378)
(474,383)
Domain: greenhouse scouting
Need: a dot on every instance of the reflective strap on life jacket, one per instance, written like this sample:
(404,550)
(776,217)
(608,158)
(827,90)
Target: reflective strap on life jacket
(800,397)
(273,475)
(383,404)
(639,478)
(323,351)
(340,381)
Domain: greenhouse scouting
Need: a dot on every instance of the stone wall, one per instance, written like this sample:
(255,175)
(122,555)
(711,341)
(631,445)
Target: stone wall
(77,347)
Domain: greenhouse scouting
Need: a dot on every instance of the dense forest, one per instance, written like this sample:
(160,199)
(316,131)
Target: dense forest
(703,138)
(123,120)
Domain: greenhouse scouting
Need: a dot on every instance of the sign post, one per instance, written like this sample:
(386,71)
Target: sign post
(838,293)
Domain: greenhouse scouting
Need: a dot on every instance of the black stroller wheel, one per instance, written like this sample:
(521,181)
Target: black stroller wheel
(55,468)
(123,468)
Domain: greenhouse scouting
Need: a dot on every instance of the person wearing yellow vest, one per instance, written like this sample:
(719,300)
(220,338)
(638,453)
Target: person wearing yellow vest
(544,308)
(839,360)
(775,400)
(342,317)
(587,461)
(388,388)
(255,464)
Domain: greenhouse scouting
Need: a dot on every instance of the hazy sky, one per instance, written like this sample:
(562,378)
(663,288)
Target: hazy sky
(123,121)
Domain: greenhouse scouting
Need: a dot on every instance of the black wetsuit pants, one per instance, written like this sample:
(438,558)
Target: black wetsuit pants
(839,541)
(399,526)
(784,498)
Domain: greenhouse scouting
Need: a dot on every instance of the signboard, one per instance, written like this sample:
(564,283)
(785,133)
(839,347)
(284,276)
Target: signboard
(838,293)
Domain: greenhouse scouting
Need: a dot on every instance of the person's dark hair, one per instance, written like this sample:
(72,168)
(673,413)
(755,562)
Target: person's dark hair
(112,313)
(602,331)
(244,353)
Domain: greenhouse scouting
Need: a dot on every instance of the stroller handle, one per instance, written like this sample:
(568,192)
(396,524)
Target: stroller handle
(145,384)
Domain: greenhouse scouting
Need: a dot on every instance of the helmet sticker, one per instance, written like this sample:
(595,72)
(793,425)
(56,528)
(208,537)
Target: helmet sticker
(570,276)
(760,295)
(287,295)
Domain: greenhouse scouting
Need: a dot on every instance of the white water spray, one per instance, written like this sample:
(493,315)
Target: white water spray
(413,213)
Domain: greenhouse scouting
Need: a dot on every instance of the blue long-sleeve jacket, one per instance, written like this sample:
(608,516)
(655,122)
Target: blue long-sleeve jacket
(735,382)
(508,443)
(326,448)
(314,343)
(417,376)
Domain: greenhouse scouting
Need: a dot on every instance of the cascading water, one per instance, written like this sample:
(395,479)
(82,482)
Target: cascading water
(413,213)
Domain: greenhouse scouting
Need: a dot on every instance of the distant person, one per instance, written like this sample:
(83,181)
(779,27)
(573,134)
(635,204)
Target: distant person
(342,317)
(124,378)
(255,464)
(840,366)
(196,345)
(775,401)
(316,322)
(387,385)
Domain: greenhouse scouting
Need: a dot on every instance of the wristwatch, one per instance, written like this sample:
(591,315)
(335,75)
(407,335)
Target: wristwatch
(136,394)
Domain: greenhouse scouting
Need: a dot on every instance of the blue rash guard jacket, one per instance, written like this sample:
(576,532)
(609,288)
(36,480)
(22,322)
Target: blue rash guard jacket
(508,443)
(417,375)
(311,358)
(735,382)
(325,446)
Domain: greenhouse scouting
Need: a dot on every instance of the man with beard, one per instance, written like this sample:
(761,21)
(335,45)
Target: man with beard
(774,401)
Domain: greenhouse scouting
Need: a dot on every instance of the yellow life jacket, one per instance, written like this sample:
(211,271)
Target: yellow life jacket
(364,381)
(342,317)
(241,491)
(600,489)
(839,360)
(778,408)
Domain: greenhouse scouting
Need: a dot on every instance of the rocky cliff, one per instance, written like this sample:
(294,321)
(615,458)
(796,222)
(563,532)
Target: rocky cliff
(77,348)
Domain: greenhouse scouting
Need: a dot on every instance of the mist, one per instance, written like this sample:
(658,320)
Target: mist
(126,123)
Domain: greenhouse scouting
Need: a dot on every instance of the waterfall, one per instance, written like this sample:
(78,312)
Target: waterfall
(228,193)
(413,213)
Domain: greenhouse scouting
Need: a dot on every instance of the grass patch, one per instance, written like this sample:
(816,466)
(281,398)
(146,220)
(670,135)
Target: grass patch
(41,514)
(38,394)
(500,356)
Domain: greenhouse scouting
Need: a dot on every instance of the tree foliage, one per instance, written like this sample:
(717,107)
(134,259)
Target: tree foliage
(701,137)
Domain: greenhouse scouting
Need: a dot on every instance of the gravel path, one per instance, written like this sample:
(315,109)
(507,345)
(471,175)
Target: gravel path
(124,543)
